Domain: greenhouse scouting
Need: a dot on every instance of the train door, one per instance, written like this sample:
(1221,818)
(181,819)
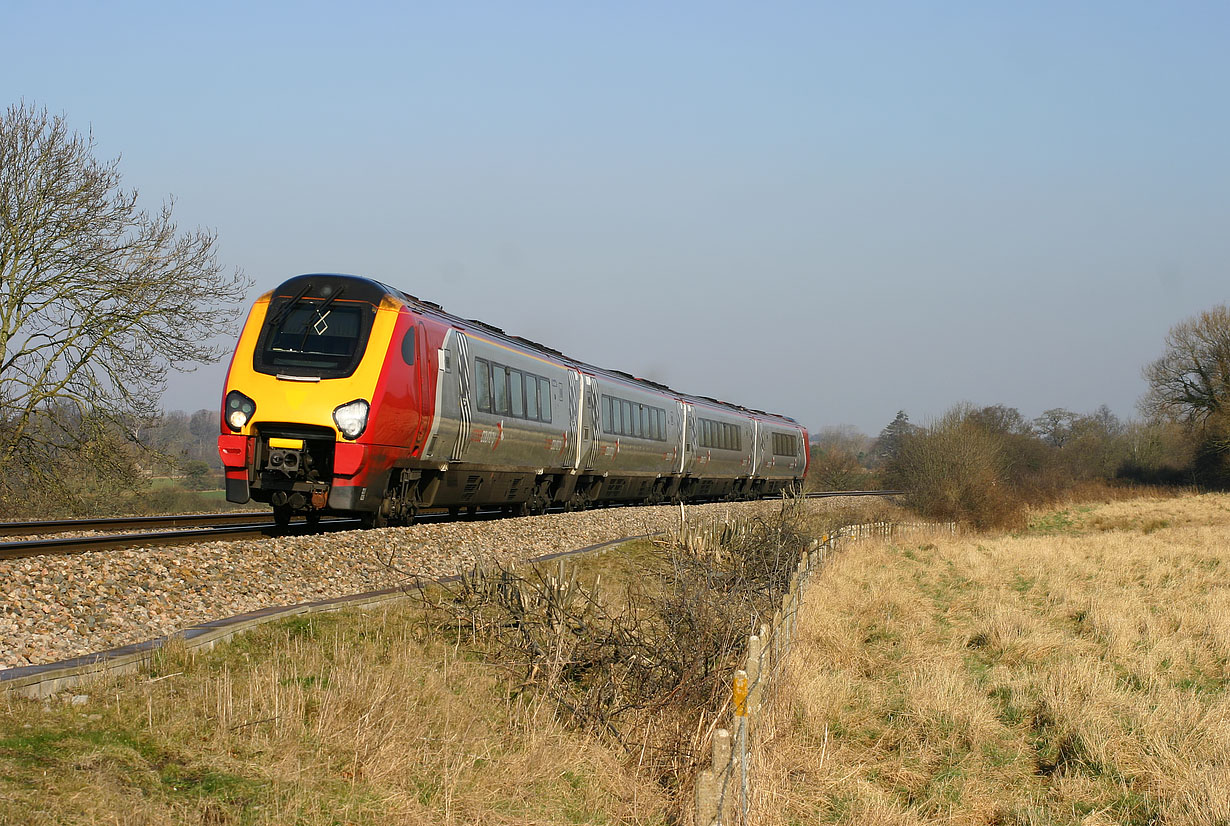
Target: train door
(465,416)
(573,455)
(689,438)
(589,423)
(757,453)
(452,409)
(419,384)
(680,438)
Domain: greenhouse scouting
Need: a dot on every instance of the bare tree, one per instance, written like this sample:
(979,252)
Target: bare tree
(1191,381)
(98,298)
(1055,426)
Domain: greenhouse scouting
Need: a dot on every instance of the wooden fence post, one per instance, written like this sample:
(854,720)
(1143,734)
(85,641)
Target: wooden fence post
(721,751)
(706,798)
(755,678)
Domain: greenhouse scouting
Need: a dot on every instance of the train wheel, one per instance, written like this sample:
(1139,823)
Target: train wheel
(313,520)
(374,519)
(281,515)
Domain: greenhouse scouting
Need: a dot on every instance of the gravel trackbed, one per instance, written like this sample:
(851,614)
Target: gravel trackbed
(58,607)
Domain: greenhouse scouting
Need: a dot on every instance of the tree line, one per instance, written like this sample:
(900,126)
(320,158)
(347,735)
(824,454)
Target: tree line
(985,465)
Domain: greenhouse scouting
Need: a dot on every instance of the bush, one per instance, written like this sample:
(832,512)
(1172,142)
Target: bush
(957,470)
(197,476)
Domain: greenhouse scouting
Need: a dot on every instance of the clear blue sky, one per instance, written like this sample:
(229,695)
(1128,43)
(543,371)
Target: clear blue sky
(829,210)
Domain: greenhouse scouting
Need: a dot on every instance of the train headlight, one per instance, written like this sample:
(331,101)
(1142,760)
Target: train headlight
(239,410)
(351,418)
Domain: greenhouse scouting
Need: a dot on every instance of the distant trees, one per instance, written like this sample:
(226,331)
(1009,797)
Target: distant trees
(892,437)
(839,460)
(983,465)
(98,301)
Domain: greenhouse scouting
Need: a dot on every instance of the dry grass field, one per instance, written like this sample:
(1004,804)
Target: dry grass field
(323,721)
(1073,673)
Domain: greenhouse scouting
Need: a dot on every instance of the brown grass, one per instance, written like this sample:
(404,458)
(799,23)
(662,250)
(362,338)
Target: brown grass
(358,719)
(1075,673)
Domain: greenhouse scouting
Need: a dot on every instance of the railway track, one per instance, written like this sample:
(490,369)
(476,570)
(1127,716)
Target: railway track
(117,533)
(253,529)
(133,523)
(831,493)
(193,529)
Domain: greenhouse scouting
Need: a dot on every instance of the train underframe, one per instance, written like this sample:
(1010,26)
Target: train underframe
(297,473)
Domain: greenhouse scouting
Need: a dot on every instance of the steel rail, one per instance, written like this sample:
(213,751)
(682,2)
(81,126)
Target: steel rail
(58,546)
(831,493)
(127,523)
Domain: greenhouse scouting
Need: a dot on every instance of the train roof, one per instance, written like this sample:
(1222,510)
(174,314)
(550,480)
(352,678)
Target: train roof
(323,285)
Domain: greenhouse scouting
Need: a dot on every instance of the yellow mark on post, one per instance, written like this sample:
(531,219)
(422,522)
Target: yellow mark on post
(740,693)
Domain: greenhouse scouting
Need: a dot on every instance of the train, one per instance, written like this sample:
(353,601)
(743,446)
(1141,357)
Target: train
(346,396)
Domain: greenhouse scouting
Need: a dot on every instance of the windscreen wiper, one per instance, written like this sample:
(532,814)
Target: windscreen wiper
(277,320)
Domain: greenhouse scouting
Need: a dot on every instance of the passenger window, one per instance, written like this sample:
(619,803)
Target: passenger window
(531,397)
(407,347)
(516,394)
(499,384)
(544,399)
(616,428)
(644,429)
(482,385)
(662,425)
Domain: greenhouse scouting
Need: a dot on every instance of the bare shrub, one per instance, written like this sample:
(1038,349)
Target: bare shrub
(642,662)
(839,460)
(957,470)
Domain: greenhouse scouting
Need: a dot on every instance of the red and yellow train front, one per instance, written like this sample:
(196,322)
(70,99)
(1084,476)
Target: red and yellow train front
(325,396)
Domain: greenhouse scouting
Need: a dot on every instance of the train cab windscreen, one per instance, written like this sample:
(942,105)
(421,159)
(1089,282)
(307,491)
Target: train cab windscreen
(313,338)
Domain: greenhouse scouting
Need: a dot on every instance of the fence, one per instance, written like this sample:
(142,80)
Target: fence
(723,788)
(890,530)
